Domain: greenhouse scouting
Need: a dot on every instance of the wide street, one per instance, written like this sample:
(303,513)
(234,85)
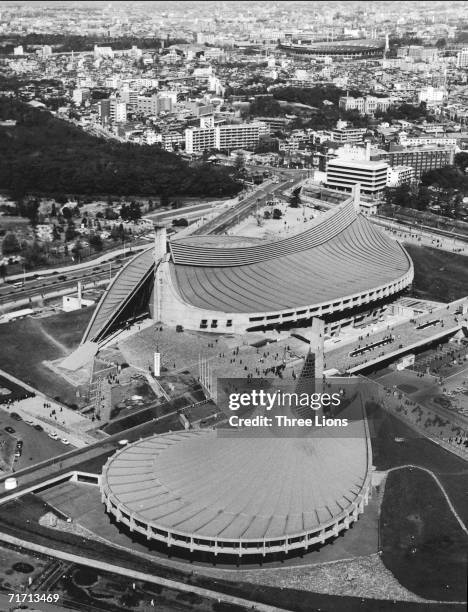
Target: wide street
(42,284)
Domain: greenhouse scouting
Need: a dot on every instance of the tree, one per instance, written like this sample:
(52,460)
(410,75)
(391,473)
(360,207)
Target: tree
(461,160)
(180,222)
(34,255)
(56,232)
(134,211)
(424,198)
(239,163)
(77,248)
(10,244)
(70,232)
(277,214)
(295,199)
(30,209)
(95,242)
(67,212)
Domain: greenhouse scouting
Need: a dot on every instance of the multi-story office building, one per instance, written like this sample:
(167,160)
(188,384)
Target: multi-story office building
(148,105)
(343,133)
(118,111)
(462,58)
(199,139)
(80,95)
(345,173)
(104,110)
(421,159)
(155,104)
(243,136)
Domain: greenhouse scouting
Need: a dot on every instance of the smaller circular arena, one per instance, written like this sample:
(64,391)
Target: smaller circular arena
(202,492)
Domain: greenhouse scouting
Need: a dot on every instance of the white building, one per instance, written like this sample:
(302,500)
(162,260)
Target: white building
(343,174)
(365,105)
(431,96)
(118,111)
(398,175)
(462,58)
(223,137)
(100,52)
(18,50)
(343,133)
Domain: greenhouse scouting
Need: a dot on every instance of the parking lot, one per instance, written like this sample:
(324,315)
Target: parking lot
(37,445)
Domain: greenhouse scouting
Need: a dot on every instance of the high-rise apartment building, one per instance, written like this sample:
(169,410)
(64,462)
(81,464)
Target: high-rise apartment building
(223,137)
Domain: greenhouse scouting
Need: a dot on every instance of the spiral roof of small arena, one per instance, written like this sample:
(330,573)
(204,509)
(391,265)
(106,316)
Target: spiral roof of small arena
(340,254)
(203,485)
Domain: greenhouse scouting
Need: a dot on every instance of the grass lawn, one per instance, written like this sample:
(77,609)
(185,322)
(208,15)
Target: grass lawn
(423,544)
(438,275)
(28,342)
(417,450)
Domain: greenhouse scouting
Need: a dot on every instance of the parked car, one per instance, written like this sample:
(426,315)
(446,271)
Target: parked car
(10,430)
(53,435)
(38,427)
(16,416)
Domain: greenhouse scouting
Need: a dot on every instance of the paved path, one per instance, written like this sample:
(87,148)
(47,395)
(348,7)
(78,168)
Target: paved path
(441,487)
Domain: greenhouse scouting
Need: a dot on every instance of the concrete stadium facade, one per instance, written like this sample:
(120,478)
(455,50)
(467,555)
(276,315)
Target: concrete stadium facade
(192,501)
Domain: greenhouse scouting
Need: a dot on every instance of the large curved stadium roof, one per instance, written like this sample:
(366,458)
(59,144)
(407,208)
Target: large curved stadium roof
(237,488)
(338,255)
(342,254)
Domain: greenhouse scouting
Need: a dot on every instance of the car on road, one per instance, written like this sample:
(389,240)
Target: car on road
(9,430)
(62,277)
(19,444)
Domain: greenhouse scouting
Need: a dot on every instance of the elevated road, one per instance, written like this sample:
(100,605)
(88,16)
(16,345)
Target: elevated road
(226,219)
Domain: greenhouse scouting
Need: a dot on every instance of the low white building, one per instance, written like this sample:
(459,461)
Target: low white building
(398,175)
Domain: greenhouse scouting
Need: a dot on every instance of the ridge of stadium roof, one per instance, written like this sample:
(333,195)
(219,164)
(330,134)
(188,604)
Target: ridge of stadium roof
(196,252)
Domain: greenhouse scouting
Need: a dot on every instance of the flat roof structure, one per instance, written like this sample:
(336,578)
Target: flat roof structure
(236,495)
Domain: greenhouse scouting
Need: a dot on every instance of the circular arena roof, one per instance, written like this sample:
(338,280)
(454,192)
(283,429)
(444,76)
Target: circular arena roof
(239,495)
